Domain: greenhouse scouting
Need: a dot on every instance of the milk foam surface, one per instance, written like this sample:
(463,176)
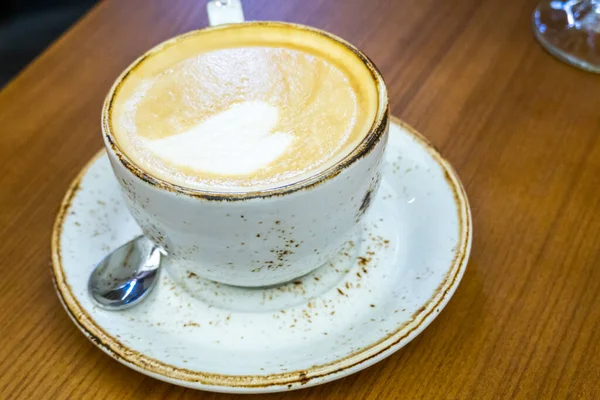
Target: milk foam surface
(242,116)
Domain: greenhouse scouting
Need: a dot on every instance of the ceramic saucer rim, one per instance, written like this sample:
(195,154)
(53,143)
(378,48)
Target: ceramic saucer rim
(281,381)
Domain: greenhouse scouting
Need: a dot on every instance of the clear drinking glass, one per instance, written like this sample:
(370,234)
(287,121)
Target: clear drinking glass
(570,30)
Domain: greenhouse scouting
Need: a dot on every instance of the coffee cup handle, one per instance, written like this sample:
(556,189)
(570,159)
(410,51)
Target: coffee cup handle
(224,12)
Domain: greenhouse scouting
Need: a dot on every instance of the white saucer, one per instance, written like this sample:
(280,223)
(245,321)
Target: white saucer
(375,298)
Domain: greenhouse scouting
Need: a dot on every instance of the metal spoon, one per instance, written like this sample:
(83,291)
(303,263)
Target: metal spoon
(125,276)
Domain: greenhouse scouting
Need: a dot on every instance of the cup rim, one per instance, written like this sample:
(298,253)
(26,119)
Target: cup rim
(363,148)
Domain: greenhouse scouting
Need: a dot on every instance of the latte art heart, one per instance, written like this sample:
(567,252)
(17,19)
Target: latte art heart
(238,141)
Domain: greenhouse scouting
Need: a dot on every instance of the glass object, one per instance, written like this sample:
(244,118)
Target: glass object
(570,30)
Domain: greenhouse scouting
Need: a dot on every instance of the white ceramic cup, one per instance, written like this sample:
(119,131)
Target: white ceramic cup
(255,238)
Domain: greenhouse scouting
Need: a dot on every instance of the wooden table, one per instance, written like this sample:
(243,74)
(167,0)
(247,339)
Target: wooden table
(521,128)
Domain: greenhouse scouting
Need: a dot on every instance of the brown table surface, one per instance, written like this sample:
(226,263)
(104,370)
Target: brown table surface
(521,128)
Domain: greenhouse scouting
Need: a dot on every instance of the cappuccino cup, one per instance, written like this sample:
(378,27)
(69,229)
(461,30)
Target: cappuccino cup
(248,152)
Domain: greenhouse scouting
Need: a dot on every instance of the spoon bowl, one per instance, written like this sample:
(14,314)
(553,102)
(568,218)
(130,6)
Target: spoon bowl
(125,276)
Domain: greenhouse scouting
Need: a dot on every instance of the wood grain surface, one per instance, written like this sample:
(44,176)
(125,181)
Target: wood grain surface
(521,128)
